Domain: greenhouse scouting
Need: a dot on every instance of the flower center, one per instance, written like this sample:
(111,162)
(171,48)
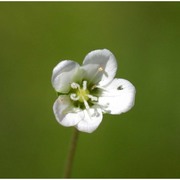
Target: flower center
(82,94)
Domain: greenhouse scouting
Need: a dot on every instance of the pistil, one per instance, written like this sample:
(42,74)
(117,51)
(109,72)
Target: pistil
(82,94)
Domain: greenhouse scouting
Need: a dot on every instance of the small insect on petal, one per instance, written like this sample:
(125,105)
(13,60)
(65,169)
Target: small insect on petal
(120,88)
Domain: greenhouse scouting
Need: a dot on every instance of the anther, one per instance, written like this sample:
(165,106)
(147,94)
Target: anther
(100,69)
(93,87)
(74,97)
(97,73)
(93,98)
(75,85)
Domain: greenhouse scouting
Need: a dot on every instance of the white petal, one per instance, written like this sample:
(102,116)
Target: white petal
(92,119)
(104,66)
(63,109)
(84,120)
(117,97)
(63,74)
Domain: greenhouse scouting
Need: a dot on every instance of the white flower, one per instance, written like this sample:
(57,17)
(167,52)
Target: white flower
(86,92)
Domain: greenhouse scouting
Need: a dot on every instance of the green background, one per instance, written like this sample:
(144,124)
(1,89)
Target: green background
(144,37)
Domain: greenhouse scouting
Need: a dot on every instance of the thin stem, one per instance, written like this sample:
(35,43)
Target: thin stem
(71,153)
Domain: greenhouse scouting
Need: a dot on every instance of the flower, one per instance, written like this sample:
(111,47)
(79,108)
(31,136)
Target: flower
(86,92)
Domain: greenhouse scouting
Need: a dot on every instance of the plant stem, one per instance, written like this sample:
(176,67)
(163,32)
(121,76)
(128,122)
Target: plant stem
(71,153)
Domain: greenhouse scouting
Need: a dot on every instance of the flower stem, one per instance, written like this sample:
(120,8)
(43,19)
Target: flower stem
(71,153)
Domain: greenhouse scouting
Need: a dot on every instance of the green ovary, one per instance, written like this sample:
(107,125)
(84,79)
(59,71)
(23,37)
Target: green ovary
(83,94)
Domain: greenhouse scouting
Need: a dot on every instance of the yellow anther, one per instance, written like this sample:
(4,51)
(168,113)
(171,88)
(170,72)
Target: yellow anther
(100,69)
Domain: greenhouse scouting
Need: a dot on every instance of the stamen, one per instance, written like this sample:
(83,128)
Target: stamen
(75,85)
(74,97)
(85,103)
(84,85)
(93,87)
(93,98)
(103,88)
(100,69)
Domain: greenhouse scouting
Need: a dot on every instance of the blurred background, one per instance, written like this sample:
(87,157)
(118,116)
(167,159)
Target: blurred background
(144,37)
